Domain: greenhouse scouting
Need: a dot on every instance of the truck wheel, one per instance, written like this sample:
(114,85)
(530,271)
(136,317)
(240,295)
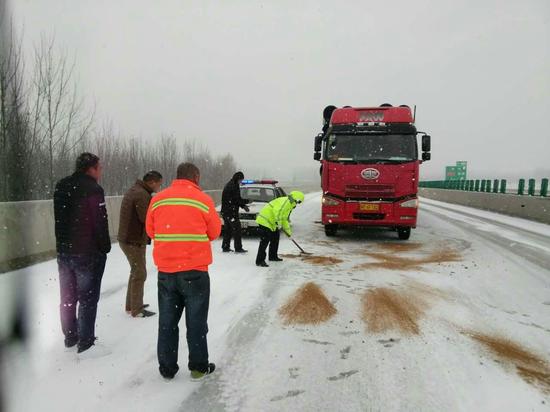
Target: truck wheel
(404,233)
(330,230)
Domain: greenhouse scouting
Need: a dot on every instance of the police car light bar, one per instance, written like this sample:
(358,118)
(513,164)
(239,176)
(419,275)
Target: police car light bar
(263,182)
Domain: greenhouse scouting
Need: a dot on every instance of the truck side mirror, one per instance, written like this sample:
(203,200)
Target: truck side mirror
(317,156)
(318,142)
(426,156)
(426,143)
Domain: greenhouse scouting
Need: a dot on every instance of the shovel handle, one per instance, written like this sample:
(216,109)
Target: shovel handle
(298,246)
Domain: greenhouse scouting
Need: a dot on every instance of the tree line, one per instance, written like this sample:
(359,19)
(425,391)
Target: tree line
(45,123)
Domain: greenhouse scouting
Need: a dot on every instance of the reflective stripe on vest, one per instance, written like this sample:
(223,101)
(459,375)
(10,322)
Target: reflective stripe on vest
(180,237)
(181,201)
(278,218)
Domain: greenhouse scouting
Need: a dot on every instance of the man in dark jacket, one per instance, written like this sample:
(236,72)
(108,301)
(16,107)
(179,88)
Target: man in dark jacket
(82,242)
(231,202)
(133,239)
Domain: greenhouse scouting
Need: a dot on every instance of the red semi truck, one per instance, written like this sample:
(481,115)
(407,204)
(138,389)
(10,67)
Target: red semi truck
(369,168)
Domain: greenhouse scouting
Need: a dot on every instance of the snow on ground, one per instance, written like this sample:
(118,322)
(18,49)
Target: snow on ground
(462,212)
(49,375)
(457,277)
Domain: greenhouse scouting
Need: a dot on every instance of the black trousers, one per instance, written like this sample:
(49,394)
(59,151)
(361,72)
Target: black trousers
(232,228)
(267,237)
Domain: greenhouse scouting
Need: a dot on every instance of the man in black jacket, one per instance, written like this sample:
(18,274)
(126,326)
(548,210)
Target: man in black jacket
(82,242)
(231,202)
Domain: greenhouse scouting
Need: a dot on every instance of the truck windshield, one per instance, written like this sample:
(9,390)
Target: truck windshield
(386,148)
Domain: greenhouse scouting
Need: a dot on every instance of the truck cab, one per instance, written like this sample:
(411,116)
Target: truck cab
(370,168)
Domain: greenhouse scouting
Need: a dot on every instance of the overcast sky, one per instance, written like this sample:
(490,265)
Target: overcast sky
(252,78)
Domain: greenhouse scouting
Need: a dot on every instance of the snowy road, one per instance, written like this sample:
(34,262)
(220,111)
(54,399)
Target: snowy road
(457,319)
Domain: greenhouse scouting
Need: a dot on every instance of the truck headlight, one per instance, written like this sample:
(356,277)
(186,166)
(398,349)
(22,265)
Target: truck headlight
(413,203)
(330,201)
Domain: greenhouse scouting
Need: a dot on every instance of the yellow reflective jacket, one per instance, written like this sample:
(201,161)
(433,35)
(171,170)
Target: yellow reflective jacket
(275,215)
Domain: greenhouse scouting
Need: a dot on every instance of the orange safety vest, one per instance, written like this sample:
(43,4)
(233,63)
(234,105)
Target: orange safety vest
(182,221)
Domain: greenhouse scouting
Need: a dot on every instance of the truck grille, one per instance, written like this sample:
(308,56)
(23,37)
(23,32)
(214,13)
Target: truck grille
(369,216)
(370,191)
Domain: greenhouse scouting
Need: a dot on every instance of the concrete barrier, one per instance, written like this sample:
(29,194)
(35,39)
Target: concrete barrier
(527,207)
(27,230)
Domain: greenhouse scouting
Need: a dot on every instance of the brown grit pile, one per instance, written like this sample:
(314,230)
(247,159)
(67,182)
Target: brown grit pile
(394,262)
(316,260)
(385,309)
(308,306)
(532,368)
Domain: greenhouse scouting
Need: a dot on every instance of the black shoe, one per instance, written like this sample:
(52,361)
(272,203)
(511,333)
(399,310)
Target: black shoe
(70,342)
(277,259)
(92,351)
(144,314)
(241,251)
(262,264)
(82,347)
(227,250)
(168,375)
(129,312)
(198,375)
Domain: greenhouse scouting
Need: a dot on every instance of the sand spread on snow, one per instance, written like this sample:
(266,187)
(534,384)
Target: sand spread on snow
(386,309)
(531,367)
(399,246)
(315,260)
(392,261)
(308,305)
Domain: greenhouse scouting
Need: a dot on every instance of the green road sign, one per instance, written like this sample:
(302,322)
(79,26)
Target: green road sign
(461,167)
(457,172)
(450,173)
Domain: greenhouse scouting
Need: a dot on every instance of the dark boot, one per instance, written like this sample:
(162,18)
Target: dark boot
(144,314)
(71,341)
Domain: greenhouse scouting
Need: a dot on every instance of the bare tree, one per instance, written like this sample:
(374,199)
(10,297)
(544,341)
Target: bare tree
(62,120)
(44,124)
(13,156)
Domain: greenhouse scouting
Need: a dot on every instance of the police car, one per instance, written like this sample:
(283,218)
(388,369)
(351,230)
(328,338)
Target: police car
(259,193)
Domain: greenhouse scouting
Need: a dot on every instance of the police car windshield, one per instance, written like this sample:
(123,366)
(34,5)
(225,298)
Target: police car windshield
(258,194)
(388,148)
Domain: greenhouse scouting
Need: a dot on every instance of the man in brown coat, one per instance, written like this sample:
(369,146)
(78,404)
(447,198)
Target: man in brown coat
(133,239)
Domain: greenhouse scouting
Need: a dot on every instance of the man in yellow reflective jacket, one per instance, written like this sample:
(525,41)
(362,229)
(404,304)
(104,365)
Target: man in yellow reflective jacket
(272,218)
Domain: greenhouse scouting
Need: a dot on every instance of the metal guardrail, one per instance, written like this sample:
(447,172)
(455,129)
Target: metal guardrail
(490,186)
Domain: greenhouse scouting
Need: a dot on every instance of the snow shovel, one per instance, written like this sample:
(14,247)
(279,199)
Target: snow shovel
(302,251)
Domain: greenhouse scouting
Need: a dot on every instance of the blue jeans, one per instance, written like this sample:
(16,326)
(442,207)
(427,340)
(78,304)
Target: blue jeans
(80,282)
(188,290)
